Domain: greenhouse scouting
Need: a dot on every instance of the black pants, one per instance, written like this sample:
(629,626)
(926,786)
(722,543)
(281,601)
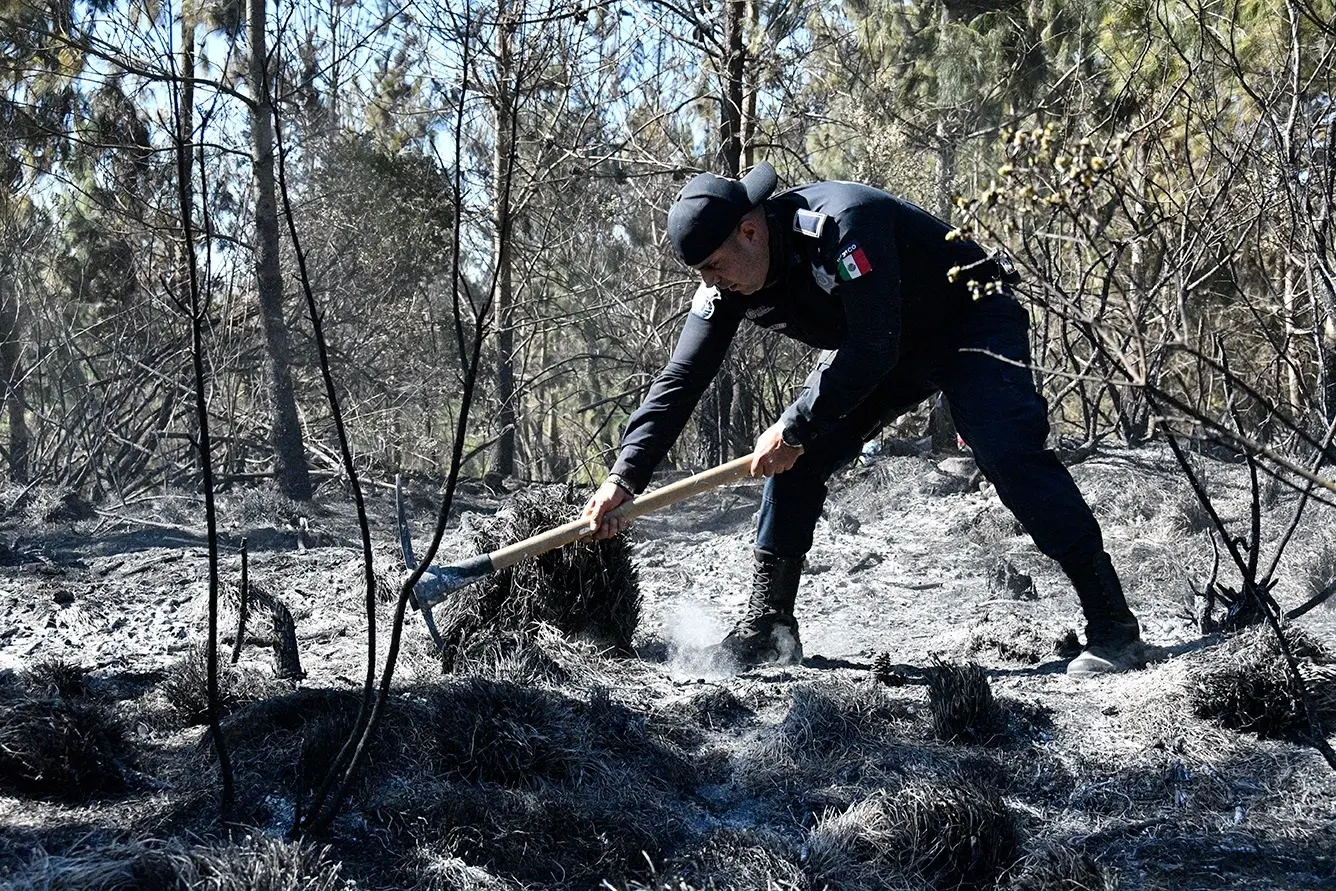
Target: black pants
(997,412)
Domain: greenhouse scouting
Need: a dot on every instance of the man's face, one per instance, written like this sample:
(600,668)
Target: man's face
(742,262)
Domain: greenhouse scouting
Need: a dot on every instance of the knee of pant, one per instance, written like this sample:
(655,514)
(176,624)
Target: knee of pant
(1004,426)
(1003,464)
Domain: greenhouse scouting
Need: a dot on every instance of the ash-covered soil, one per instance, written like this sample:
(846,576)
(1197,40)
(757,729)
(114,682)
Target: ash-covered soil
(652,771)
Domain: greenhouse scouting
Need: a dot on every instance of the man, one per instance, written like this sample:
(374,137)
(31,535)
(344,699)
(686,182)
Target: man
(904,310)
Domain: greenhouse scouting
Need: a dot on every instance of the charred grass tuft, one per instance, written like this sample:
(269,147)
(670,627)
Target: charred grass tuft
(836,738)
(520,736)
(511,735)
(184,688)
(1246,685)
(56,678)
(732,858)
(962,704)
(952,832)
(255,863)
(587,590)
(539,654)
(61,749)
(282,746)
(828,719)
(1052,865)
(714,708)
(1009,637)
(536,785)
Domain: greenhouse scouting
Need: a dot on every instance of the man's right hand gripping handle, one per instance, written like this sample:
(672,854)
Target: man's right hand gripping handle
(609,496)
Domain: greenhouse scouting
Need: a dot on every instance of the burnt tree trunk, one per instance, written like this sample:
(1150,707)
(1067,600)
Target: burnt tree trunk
(11,379)
(503,170)
(290,466)
(1325,336)
(734,88)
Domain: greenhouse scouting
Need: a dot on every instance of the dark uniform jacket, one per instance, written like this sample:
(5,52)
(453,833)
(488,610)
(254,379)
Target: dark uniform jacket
(852,269)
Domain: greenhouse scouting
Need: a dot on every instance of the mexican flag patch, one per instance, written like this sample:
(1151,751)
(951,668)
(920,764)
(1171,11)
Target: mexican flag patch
(852,263)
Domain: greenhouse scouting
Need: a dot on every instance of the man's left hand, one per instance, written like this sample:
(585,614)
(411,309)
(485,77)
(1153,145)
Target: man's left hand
(772,456)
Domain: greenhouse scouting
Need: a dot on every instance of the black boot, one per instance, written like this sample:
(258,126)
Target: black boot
(767,632)
(1113,635)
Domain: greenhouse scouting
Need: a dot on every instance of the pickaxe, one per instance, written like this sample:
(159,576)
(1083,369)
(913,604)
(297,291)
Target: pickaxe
(439,581)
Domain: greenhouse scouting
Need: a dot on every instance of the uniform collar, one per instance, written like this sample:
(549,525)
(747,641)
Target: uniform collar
(779,241)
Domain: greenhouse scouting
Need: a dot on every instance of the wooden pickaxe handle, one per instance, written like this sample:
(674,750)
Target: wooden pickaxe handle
(641,505)
(438,581)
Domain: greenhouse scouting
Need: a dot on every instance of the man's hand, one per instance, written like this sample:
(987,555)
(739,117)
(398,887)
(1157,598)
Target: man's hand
(608,496)
(772,456)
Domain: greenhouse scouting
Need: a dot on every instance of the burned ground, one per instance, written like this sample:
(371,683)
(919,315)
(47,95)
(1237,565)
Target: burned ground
(930,740)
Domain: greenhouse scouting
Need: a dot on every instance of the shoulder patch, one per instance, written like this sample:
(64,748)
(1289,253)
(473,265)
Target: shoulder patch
(824,280)
(706,299)
(809,222)
(851,263)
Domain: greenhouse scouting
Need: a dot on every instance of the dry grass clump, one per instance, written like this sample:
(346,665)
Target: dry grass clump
(494,778)
(864,490)
(836,733)
(588,590)
(253,864)
(284,745)
(515,656)
(962,704)
(61,749)
(1121,494)
(520,736)
(260,506)
(266,864)
(713,708)
(1246,684)
(936,484)
(1318,572)
(54,741)
(1056,866)
(1147,567)
(992,525)
(511,735)
(162,866)
(1153,781)
(450,873)
(184,690)
(13,498)
(578,838)
(573,835)
(1188,515)
(535,786)
(281,749)
(1009,637)
(48,505)
(56,678)
(386,571)
(951,832)
(830,718)
(540,654)
(733,858)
